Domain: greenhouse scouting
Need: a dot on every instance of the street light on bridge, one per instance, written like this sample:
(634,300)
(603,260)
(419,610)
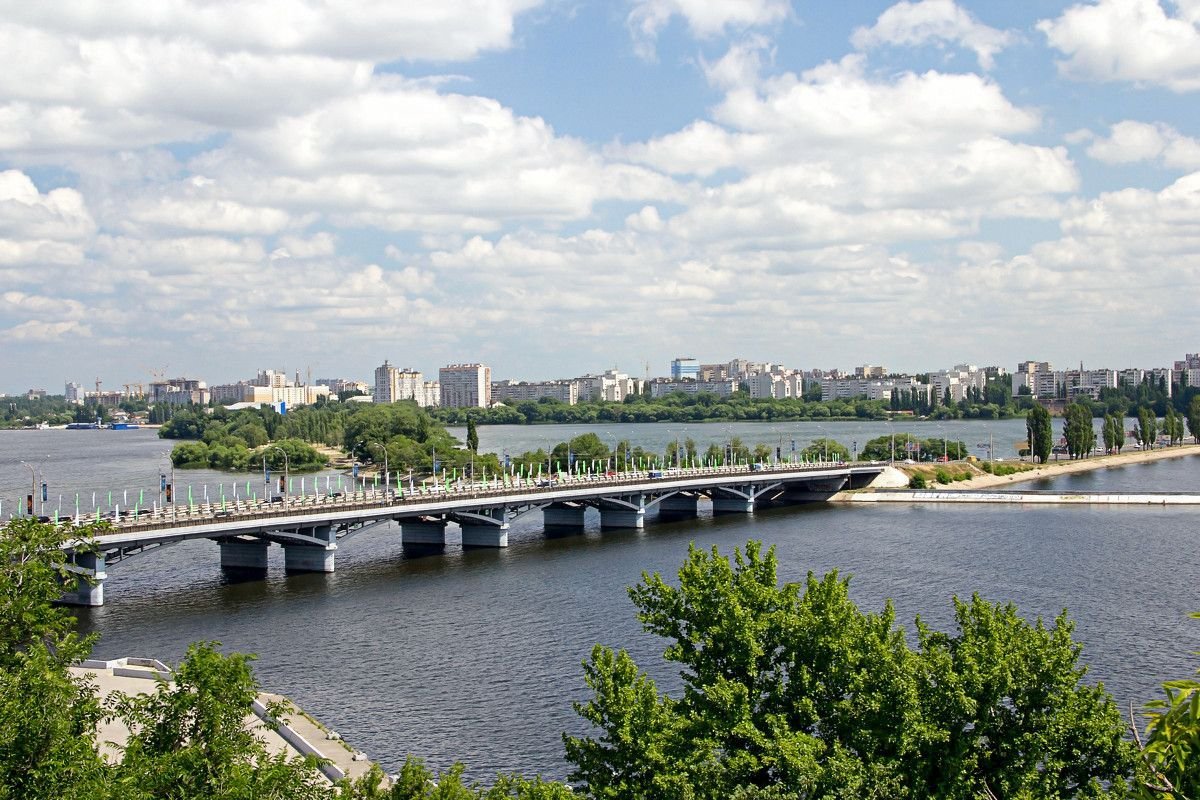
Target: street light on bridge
(286,479)
(386,482)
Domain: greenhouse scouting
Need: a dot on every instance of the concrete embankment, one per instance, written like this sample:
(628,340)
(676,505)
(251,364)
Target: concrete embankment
(1041,498)
(293,733)
(983,487)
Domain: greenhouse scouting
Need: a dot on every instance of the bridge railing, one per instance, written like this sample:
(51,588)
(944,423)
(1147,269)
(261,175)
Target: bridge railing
(208,512)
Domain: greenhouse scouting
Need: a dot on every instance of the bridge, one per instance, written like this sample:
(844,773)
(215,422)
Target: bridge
(310,527)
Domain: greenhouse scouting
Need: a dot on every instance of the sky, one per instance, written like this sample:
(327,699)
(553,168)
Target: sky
(552,187)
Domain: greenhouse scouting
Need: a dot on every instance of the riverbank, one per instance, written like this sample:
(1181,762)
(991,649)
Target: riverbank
(294,734)
(1052,469)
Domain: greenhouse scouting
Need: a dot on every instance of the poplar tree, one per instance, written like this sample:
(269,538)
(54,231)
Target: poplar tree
(1193,418)
(1078,430)
(1038,428)
(1147,428)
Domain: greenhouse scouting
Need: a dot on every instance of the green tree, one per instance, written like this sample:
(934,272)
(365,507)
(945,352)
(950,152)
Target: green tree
(1078,430)
(1039,430)
(825,449)
(880,448)
(1114,433)
(1193,418)
(472,436)
(1147,429)
(47,717)
(792,691)
(1172,741)
(189,738)
(1173,426)
(415,781)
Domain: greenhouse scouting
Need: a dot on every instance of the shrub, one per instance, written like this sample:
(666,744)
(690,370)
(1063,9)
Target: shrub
(917,481)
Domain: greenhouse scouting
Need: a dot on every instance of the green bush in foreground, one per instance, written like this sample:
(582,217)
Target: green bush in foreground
(792,691)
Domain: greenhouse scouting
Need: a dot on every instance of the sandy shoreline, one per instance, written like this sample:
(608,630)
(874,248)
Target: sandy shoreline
(1066,467)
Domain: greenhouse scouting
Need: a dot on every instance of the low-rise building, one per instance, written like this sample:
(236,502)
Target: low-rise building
(957,383)
(661,387)
(611,386)
(563,391)
(883,389)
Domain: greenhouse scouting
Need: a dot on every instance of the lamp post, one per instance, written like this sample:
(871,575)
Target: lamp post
(286,478)
(171,483)
(386,482)
(32,488)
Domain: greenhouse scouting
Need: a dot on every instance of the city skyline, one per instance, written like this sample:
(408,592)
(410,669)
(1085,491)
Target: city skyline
(409,382)
(535,185)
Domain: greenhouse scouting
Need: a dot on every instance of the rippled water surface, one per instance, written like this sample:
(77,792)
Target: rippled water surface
(476,655)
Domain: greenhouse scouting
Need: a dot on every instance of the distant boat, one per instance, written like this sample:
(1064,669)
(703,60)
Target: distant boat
(83,426)
(124,426)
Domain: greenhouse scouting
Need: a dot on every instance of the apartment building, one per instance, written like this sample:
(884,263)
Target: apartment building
(465,385)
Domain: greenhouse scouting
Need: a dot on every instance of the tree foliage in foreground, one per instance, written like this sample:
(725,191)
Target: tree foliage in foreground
(788,692)
(792,691)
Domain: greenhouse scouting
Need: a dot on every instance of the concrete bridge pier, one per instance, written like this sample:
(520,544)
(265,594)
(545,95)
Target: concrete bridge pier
(627,511)
(562,517)
(678,506)
(423,532)
(486,528)
(733,500)
(244,555)
(815,491)
(89,586)
(314,557)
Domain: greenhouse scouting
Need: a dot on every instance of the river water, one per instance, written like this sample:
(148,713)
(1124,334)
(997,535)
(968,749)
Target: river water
(475,655)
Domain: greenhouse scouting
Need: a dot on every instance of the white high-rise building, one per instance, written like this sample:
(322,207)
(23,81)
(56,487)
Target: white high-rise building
(465,385)
(393,384)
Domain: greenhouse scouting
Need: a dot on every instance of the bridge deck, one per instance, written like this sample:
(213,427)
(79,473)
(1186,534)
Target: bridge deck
(234,518)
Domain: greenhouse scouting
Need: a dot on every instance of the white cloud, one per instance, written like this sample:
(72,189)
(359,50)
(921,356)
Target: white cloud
(1130,141)
(837,103)
(405,157)
(704,18)
(1129,40)
(39,331)
(28,214)
(741,64)
(376,30)
(126,90)
(834,156)
(912,24)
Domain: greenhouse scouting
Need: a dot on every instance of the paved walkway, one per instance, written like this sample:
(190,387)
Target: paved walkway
(136,676)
